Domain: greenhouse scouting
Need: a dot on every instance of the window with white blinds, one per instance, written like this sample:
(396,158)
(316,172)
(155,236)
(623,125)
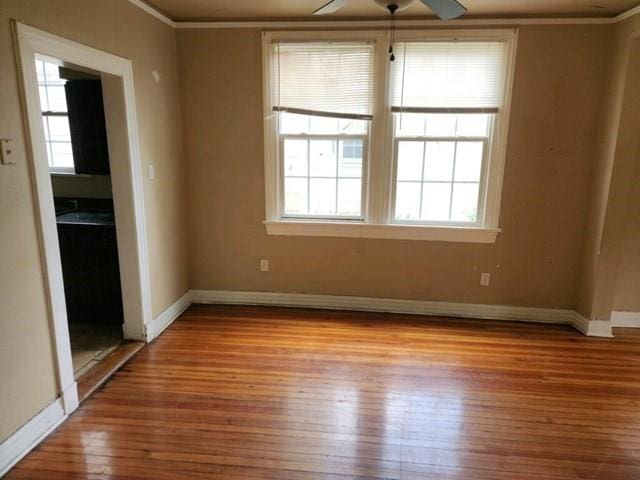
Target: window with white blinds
(333,79)
(449,76)
(360,145)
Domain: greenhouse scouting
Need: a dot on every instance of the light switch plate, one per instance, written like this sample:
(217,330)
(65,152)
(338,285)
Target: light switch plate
(6,152)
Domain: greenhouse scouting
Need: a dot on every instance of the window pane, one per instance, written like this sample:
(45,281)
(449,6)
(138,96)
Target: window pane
(62,155)
(322,154)
(408,201)
(349,197)
(295,158)
(439,161)
(44,104)
(323,125)
(57,98)
(435,201)
(52,74)
(40,71)
(350,162)
(45,125)
(473,125)
(293,123)
(352,127)
(441,125)
(410,124)
(410,157)
(59,129)
(322,196)
(465,202)
(295,196)
(468,161)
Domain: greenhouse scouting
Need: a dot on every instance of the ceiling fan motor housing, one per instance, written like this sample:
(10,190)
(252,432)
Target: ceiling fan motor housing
(389,4)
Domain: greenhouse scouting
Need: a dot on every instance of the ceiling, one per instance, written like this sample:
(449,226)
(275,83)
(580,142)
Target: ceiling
(202,10)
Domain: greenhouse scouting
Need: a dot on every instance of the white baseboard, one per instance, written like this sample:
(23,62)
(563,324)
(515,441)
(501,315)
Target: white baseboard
(625,319)
(420,307)
(14,448)
(592,328)
(166,318)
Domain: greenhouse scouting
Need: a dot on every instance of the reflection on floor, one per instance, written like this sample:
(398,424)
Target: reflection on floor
(91,343)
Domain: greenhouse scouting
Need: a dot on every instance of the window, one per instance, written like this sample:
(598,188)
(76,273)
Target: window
(444,98)
(439,167)
(323,166)
(55,118)
(357,145)
(323,99)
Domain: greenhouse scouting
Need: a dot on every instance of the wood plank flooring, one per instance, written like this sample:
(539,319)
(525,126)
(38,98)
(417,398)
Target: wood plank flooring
(290,394)
(102,371)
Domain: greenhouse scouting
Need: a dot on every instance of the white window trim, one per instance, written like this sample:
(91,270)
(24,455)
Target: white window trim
(378,202)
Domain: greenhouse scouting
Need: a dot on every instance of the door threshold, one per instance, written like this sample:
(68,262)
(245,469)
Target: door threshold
(93,378)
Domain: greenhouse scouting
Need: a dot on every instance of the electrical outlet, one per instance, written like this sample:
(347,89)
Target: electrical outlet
(485,279)
(264,265)
(152,172)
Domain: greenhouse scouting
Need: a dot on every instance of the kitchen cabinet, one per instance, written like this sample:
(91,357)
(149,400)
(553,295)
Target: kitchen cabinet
(87,124)
(90,268)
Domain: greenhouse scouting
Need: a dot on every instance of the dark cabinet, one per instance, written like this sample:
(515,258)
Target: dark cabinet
(87,124)
(91,274)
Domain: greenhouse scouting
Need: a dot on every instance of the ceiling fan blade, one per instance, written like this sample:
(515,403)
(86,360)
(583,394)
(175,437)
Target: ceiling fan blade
(330,7)
(445,9)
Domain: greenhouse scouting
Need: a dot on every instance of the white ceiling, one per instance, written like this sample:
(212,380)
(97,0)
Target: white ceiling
(201,10)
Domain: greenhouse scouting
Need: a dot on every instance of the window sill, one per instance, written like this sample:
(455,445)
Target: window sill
(397,232)
(69,174)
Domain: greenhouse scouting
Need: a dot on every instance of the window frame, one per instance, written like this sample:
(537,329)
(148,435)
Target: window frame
(335,137)
(48,142)
(380,165)
(483,186)
(46,114)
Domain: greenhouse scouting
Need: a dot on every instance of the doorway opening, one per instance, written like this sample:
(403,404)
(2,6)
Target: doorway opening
(73,119)
(87,182)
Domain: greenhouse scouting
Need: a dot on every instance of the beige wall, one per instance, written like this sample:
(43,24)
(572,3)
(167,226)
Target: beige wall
(536,260)
(26,358)
(76,186)
(612,198)
(627,292)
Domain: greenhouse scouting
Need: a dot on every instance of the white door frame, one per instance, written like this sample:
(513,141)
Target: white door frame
(127,189)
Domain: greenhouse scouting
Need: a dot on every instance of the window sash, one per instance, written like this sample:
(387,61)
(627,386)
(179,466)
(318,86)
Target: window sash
(482,182)
(53,168)
(363,178)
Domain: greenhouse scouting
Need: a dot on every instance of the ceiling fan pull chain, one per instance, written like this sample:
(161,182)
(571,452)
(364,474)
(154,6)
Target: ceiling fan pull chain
(392,7)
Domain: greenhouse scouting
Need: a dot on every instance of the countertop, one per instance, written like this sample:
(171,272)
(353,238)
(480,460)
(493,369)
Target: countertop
(86,218)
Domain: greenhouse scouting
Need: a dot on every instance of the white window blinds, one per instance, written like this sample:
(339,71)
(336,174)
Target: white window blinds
(332,79)
(448,76)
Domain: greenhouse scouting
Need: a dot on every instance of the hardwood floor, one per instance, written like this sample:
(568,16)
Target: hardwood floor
(290,394)
(102,371)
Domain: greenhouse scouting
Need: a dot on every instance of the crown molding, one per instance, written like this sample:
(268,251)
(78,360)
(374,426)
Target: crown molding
(384,22)
(628,14)
(154,12)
